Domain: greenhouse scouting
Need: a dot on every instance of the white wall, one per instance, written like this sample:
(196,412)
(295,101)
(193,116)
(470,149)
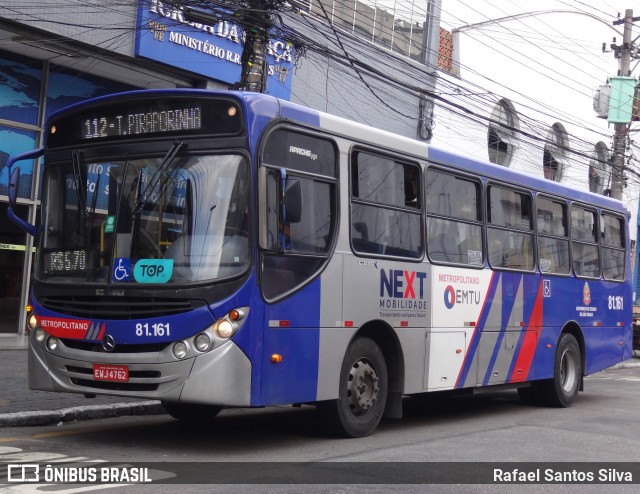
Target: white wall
(549,67)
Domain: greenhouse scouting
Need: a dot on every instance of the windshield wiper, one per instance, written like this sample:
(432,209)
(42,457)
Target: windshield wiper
(77,178)
(157,176)
(81,199)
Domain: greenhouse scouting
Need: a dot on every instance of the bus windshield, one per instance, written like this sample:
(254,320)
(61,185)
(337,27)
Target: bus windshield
(177,219)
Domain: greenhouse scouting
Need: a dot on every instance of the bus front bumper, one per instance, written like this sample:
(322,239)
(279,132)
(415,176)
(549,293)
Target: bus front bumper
(219,377)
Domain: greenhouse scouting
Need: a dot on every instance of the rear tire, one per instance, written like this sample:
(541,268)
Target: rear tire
(363,392)
(190,411)
(562,390)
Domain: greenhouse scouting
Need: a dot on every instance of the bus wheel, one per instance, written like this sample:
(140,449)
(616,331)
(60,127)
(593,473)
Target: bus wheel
(562,390)
(363,391)
(190,411)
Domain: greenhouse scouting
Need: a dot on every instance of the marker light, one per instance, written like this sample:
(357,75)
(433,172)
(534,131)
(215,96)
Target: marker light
(28,307)
(32,322)
(53,129)
(40,335)
(276,358)
(52,343)
(237,314)
(202,342)
(180,350)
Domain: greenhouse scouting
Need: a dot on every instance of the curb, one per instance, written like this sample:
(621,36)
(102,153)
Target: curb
(90,412)
(626,365)
(631,363)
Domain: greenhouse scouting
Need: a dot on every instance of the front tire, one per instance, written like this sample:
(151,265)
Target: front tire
(190,411)
(363,392)
(562,390)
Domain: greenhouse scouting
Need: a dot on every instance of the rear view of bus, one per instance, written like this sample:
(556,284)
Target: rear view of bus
(143,251)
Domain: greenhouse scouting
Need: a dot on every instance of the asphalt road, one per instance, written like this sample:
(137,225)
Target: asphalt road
(602,427)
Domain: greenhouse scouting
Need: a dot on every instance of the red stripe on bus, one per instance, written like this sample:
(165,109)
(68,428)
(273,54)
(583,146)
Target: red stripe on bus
(101,334)
(528,348)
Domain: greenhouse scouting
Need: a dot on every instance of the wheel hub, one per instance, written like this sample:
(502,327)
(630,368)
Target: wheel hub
(568,375)
(362,388)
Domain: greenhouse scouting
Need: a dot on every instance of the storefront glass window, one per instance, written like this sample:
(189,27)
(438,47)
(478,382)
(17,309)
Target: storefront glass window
(20,80)
(12,250)
(12,142)
(67,87)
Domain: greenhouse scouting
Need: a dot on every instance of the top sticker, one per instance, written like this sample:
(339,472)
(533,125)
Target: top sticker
(153,270)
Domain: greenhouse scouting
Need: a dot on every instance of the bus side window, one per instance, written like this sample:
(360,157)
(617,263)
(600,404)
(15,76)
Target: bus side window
(584,242)
(553,236)
(385,206)
(510,231)
(454,219)
(613,247)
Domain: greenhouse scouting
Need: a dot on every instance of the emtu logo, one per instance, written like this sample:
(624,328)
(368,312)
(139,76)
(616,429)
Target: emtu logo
(466,297)
(449,297)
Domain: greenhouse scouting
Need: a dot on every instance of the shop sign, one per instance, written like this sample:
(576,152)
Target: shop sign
(215,51)
(14,247)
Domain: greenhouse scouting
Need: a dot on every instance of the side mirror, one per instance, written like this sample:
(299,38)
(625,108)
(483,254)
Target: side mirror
(292,204)
(14,182)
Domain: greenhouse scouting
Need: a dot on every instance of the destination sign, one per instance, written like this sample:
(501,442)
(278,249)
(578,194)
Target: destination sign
(137,115)
(184,118)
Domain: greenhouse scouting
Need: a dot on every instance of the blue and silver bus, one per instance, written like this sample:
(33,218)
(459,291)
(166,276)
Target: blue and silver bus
(228,249)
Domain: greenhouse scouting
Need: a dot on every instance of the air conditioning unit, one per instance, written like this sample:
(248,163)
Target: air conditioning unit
(601,101)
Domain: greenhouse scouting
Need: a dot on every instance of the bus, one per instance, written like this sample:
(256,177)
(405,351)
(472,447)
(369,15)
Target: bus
(229,249)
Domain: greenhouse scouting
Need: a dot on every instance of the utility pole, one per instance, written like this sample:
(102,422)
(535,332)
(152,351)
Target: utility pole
(623,53)
(255,20)
(256,23)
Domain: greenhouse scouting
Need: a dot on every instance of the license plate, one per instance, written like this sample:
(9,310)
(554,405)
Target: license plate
(105,372)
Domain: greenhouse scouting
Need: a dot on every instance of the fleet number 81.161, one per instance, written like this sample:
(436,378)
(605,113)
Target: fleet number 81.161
(155,329)
(616,302)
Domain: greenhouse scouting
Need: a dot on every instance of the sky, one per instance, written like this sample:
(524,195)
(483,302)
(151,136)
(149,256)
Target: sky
(565,49)
(550,60)
(458,12)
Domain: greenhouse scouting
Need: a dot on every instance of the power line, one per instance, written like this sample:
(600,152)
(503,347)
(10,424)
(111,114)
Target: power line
(332,51)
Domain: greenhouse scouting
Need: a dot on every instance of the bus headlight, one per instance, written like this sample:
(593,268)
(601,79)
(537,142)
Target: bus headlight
(180,350)
(224,329)
(52,343)
(40,335)
(203,342)
(32,322)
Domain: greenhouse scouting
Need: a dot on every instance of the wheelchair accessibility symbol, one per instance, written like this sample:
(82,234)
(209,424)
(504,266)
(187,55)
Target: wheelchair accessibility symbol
(122,269)
(546,289)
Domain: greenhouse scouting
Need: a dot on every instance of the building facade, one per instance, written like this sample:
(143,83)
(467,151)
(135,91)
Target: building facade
(69,50)
(532,106)
(385,64)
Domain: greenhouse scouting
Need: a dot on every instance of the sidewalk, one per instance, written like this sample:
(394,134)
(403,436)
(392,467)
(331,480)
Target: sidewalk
(20,406)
